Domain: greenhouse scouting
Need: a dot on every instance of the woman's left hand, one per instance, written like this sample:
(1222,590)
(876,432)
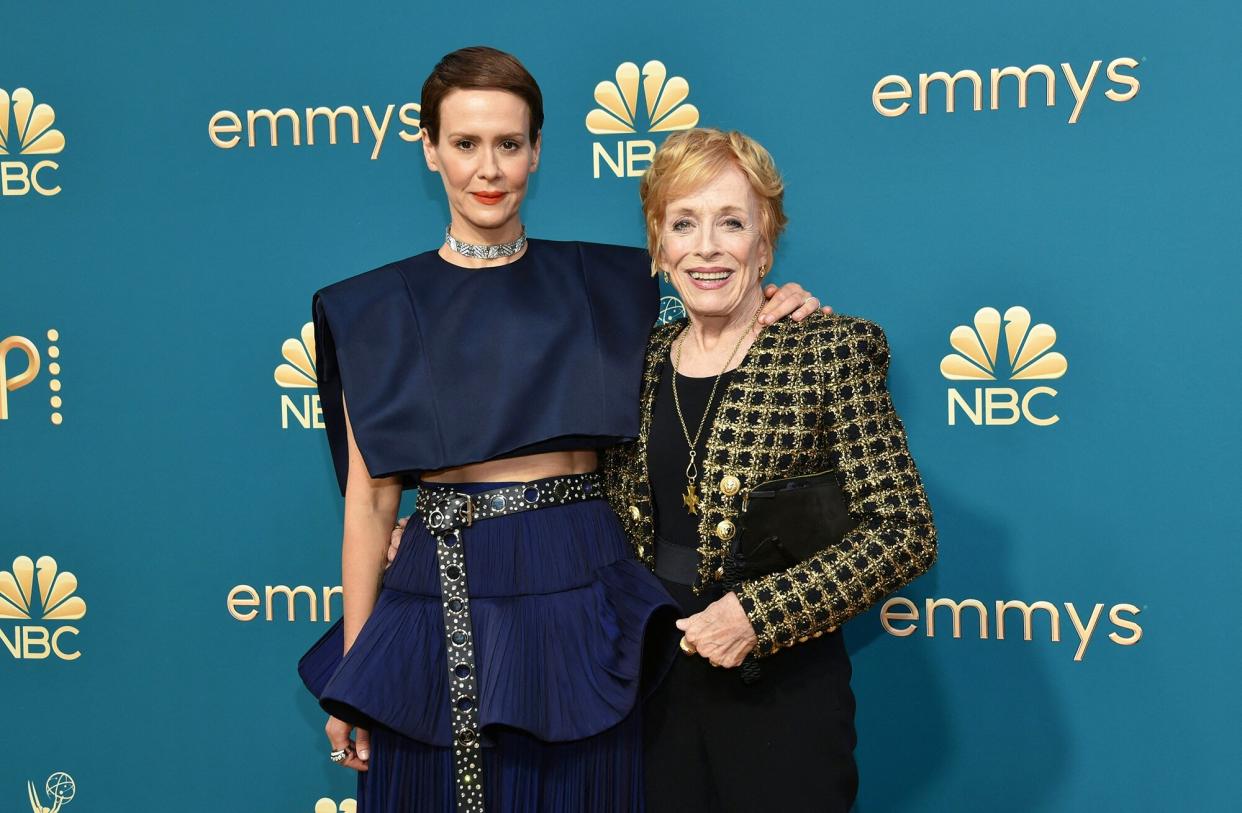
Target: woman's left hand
(721,633)
(791,300)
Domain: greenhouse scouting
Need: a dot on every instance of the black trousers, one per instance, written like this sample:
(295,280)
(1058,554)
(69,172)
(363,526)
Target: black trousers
(785,743)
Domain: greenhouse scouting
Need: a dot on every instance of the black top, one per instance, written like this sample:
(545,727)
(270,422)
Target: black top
(668,454)
(443,365)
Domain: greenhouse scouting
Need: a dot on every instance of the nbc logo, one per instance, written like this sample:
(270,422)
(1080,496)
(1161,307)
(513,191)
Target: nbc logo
(11,380)
(1029,358)
(59,788)
(618,114)
(26,130)
(299,373)
(57,602)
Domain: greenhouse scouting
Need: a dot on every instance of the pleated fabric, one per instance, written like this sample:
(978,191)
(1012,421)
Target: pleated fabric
(599,774)
(561,614)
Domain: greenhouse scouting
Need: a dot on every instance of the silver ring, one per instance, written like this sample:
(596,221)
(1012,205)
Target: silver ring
(809,298)
(339,756)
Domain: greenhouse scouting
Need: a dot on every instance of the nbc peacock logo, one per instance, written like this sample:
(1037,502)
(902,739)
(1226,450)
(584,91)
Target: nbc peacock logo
(56,603)
(1028,357)
(664,106)
(26,132)
(298,373)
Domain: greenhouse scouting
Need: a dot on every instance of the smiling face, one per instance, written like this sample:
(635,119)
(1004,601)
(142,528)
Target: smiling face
(484,156)
(712,247)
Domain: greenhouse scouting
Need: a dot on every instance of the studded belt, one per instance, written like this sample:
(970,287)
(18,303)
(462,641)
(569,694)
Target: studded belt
(445,512)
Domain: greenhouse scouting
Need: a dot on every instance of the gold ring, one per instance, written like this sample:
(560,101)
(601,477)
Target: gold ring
(685,646)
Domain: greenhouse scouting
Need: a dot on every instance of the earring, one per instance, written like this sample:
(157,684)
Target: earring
(668,279)
(763,269)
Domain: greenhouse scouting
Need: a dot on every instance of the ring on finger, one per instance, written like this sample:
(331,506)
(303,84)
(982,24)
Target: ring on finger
(809,298)
(686,646)
(340,755)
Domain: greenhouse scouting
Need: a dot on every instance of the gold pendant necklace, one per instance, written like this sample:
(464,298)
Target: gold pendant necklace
(690,498)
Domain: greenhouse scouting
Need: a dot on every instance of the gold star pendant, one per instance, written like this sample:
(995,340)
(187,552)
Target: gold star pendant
(691,499)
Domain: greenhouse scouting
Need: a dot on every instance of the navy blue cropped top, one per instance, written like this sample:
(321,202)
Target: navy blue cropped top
(442,365)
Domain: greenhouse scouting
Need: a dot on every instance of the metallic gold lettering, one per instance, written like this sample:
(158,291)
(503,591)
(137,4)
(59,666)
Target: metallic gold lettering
(225,121)
(289,593)
(1028,610)
(1023,76)
(313,113)
(888,615)
(8,384)
(956,609)
(1114,615)
(1026,406)
(378,130)
(236,599)
(879,95)
(273,121)
(950,86)
(1122,79)
(36,171)
(1084,633)
(404,114)
(1080,91)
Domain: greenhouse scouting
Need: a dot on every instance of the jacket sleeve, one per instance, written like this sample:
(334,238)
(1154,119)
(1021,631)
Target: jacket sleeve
(894,541)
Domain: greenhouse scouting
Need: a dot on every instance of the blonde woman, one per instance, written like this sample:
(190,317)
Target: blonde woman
(723,411)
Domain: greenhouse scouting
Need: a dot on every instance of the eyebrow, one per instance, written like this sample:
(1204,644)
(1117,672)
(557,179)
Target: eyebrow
(502,137)
(730,209)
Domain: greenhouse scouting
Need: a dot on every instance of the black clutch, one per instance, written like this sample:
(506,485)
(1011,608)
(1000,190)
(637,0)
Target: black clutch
(784,522)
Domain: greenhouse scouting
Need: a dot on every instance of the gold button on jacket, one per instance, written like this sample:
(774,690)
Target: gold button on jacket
(809,396)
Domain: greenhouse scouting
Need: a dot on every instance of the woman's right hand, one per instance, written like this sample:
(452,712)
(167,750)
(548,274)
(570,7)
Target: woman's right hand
(357,751)
(394,542)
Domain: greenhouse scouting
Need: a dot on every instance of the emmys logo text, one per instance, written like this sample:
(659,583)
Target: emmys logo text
(326,805)
(889,94)
(57,602)
(900,617)
(59,789)
(264,126)
(247,603)
(298,373)
(26,132)
(14,349)
(1028,359)
(618,114)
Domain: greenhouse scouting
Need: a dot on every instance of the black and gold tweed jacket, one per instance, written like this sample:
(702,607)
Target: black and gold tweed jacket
(809,396)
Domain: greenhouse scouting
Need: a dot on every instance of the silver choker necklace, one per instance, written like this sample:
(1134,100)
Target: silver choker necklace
(484,252)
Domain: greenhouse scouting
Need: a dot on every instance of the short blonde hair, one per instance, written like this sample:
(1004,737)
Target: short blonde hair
(691,158)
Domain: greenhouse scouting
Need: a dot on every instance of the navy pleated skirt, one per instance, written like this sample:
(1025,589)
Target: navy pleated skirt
(562,614)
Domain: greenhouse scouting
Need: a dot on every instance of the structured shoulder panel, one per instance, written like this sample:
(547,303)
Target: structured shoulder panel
(442,366)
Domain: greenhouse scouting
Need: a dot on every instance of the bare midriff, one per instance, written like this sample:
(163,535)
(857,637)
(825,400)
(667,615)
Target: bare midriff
(518,469)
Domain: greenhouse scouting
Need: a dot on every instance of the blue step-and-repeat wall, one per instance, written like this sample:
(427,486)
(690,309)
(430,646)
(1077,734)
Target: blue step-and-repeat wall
(1039,202)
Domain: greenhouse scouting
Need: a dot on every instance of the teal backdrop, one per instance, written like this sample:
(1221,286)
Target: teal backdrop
(165,500)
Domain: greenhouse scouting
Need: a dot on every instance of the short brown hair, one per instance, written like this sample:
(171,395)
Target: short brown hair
(691,158)
(479,68)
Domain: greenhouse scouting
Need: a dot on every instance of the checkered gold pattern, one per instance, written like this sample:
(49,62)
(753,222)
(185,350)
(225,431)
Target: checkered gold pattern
(808,397)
